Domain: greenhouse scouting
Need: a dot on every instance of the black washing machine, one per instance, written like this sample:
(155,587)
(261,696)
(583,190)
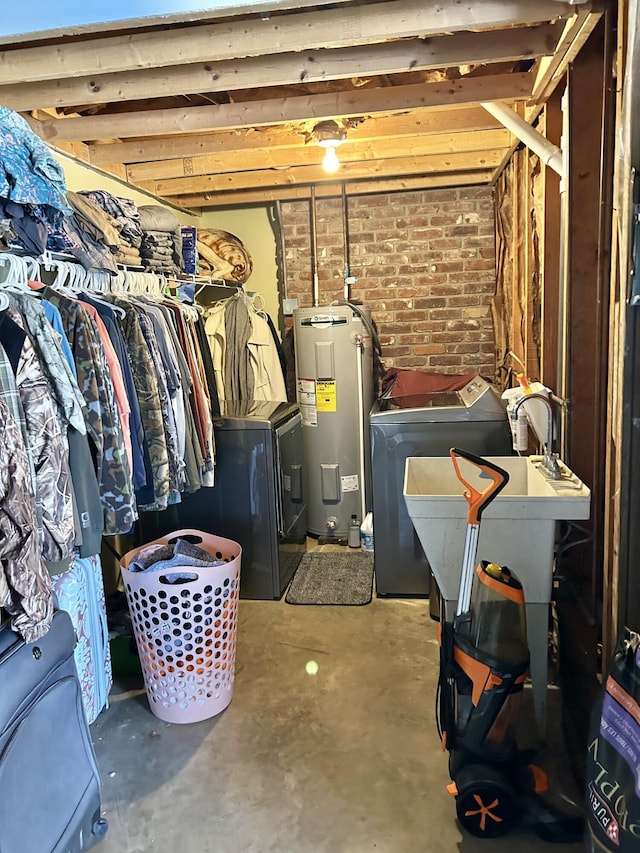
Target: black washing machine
(258,498)
(473,418)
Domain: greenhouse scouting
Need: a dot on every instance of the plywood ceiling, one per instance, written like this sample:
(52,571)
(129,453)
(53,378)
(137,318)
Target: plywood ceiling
(219,110)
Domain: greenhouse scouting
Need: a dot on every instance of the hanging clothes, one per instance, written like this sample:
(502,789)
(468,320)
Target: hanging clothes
(197,399)
(154,495)
(136,432)
(175,470)
(25,586)
(45,444)
(238,375)
(265,361)
(102,419)
(193,455)
(61,377)
(115,371)
(245,358)
(68,406)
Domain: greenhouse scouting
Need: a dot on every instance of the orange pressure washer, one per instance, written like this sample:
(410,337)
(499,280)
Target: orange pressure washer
(484,660)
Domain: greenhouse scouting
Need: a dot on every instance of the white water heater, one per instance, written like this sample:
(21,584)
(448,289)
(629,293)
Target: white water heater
(334,380)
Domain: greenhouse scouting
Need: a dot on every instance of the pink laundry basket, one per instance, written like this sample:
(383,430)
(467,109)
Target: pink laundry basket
(186,632)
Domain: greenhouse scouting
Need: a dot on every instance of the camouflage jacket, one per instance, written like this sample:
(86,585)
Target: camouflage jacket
(155,495)
(48,451)
(62,382)
(176,463)
(25,586)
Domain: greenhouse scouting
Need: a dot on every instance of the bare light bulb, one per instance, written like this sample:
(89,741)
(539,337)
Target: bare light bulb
(330,162)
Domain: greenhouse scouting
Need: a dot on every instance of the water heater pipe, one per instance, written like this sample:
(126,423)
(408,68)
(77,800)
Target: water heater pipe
(345,237)
(548,152)
(314,247)
(363,501)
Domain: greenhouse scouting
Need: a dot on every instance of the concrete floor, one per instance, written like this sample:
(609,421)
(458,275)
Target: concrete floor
(346,760)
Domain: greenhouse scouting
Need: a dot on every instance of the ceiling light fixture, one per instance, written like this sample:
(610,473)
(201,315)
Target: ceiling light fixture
(330,135)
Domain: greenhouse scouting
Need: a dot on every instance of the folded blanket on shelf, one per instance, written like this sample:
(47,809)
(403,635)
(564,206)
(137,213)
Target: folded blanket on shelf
(223,255)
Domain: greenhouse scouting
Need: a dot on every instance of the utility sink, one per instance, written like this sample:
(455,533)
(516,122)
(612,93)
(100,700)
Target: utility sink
(518,530)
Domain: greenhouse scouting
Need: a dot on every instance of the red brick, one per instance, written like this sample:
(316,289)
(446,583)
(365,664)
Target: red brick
(445,313)
(487,252)
(463,325)
(396,351)
(448,220)
(449,360)
(429,349)
(430,280)
(461,231)
(426,234)
(449,267)
(488,264)
(407,319)
(431,302)
(465,348)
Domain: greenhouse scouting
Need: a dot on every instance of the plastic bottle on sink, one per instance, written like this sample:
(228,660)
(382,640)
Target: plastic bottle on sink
(533,413)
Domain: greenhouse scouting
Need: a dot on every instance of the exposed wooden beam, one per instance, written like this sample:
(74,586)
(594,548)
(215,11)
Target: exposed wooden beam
(266,196)
(365,23)
(552,69)
(167,20)
(395,167)
(35,124)
(286,69)
(460,119)
(311,154)
(78,150)
(277,111)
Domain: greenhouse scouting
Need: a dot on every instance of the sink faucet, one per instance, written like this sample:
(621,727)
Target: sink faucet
(549,459)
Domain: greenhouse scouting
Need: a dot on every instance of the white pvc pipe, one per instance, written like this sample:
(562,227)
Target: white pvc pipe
(549,153)
(361,416)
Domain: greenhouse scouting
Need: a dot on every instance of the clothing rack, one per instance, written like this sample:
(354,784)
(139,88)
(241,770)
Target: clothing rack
(70,273)
(204,281)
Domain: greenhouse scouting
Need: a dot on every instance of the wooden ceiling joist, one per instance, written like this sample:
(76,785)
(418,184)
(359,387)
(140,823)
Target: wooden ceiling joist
(360,102)
(397,167)
(462,119)
(277,158)
(328,190)
(286,69)
(344,26)
(552,68)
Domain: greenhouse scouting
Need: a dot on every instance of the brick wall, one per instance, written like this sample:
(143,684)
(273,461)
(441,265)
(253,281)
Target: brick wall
(425,263)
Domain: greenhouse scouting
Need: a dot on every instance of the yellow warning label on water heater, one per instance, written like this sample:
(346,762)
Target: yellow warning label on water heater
(326,395)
